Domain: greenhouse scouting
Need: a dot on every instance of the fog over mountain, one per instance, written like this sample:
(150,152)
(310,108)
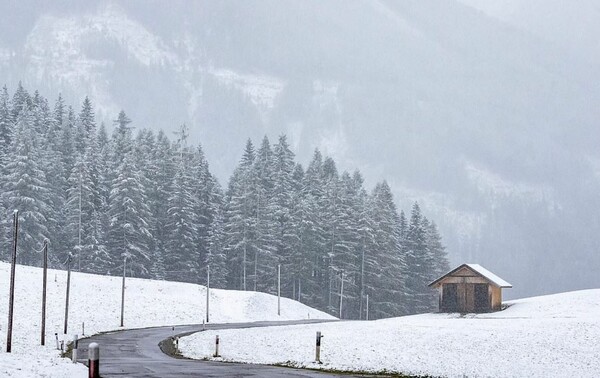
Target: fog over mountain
(486,112)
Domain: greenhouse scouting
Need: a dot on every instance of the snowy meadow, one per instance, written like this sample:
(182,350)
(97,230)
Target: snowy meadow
(96,300)
(548,336)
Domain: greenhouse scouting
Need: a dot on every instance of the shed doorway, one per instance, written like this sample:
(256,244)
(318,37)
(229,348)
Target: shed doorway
(482,298)
(450,298)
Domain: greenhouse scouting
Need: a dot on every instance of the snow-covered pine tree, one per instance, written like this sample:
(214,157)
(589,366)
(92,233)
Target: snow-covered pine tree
(86,125)
(21,99)
(437,251)
(281,212)
(264,258)
(419,263)
(128,230)
(208,203)
(314,236)
(365,240)
(385,265)
(5,126)
(6,131)
(26,188)
(164,164)
(240,221)
(182,258)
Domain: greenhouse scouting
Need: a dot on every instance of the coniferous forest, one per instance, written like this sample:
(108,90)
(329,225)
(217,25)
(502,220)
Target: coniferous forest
(102,196)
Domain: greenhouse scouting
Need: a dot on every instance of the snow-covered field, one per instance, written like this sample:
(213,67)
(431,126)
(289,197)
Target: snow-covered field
(548,336)
(96,300)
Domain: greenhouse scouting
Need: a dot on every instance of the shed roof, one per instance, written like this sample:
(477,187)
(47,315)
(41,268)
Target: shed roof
(478,269)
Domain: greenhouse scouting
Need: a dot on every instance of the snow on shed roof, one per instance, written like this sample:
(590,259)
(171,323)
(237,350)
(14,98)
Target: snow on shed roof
(489,275)
(481,271)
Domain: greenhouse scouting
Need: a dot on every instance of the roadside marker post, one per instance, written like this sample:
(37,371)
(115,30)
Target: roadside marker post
(57,343)
(75,346)
(217,347)
(318,350)
(94,360)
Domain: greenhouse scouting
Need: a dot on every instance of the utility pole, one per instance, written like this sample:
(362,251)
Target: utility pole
(44,286)
(341,293)
(67,296)
(278,289)
(367,307)
(123,291)
(79,230)
(11,300)
(207,292)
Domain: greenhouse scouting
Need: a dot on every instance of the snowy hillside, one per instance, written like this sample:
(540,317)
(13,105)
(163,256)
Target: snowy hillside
(548,336)
(96,300)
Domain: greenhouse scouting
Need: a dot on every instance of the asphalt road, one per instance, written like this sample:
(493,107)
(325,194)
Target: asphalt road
(136,353)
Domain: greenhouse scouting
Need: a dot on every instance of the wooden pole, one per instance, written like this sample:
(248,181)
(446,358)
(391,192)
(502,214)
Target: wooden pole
(367,307)
(44,286)
(341,293)
(123,291)
(278,289)
(207,292)
(11,300)
(67,296)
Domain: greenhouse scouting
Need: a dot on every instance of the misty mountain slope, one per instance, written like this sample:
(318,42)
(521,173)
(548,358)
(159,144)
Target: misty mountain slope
(484,112)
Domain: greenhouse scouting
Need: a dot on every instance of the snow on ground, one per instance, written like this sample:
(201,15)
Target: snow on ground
(548,336)
(96,300)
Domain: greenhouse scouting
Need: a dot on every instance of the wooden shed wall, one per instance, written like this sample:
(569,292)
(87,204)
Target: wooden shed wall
(496,298)
(465,281)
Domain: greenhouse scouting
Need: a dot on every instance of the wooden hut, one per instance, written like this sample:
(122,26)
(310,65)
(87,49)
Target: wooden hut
(470,288)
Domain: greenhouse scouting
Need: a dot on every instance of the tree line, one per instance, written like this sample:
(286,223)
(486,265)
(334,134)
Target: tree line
(103,197)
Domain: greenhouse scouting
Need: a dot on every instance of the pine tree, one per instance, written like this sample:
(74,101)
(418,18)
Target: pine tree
(85,126)
(159,202)
(5,126)
(385,285)
(281,212)
(261,178)
(208,204)
(314,238)
(181,259)
(26,188)
(240,220)
(419,263)
(128,233)
(21,100)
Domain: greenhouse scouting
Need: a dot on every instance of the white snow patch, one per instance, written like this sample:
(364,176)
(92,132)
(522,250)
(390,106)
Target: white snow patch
(548,336)
(96,300)
(262,90)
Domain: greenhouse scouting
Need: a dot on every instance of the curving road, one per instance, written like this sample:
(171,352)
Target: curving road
(136,353)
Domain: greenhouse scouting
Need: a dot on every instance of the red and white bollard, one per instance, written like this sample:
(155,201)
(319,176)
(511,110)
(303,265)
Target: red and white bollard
(94,360)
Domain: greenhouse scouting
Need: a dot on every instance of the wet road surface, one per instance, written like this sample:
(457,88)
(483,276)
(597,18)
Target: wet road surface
(136,353)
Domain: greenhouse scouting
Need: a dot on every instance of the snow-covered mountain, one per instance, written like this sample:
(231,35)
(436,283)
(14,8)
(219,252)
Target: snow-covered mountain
(484,111)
